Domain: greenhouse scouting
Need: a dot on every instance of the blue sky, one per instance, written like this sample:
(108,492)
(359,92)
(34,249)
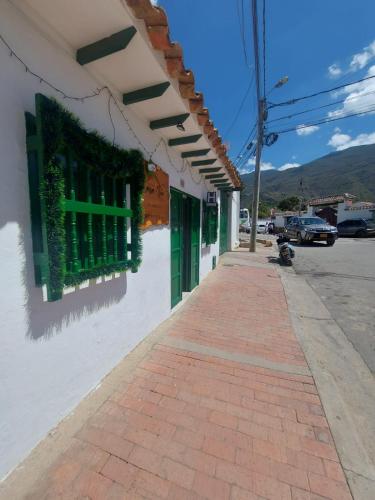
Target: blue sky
(318,44)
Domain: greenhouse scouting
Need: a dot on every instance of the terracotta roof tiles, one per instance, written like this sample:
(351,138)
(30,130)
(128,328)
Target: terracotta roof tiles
(331,199)
(156,22)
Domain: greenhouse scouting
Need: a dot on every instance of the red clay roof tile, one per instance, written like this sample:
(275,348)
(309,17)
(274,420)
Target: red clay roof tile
(156,22)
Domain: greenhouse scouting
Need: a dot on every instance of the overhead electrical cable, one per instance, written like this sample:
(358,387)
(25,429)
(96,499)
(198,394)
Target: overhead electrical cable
(241,21)
(327,91)
(328,120)
(229,129)
(264,47)
(247,143)
(112,99)
(321,107)
(336,114)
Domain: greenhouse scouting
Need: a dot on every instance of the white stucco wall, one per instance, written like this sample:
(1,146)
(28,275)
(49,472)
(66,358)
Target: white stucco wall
(53,354)
(344,213)
(234,219)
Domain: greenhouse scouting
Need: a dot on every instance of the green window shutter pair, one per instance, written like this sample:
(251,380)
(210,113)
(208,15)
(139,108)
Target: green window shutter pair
(80,186)
(209,224)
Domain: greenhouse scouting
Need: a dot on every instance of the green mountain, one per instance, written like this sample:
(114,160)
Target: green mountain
(349,171)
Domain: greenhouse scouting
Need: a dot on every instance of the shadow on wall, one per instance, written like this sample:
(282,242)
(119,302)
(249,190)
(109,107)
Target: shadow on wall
(46,319)
(205,251)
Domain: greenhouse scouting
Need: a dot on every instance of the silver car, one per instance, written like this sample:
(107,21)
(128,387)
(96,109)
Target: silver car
(305,229)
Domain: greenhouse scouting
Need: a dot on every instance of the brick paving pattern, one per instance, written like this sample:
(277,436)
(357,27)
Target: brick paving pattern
(198,426)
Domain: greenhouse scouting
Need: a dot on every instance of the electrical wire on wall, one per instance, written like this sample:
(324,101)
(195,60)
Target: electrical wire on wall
(96,93)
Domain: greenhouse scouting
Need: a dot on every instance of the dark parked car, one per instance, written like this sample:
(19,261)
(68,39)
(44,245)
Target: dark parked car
(357,227)
(305,229)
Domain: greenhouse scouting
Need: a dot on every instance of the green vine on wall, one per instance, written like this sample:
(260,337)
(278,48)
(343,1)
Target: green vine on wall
(60,130)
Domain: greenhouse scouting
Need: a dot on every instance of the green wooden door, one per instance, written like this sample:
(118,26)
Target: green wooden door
(195,244)
(176,246)
(223,222)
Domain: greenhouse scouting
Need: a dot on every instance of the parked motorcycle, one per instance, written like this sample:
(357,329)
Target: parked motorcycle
(286,252)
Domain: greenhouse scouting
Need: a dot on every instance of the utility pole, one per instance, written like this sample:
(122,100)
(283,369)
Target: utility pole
(262,116)
(261,110)
(256,187)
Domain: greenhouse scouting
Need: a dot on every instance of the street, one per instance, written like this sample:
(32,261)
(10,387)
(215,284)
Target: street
(344,278)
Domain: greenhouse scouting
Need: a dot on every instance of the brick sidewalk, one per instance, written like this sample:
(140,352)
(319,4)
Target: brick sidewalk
(223,407)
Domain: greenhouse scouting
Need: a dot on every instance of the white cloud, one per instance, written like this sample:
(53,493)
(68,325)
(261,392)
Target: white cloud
(306,130)
(357,62)
(339,140)
(334,71)
(154,2)
(360,60)
(343,141)
(249,167)
(287,166)
(359,97)
(266,166)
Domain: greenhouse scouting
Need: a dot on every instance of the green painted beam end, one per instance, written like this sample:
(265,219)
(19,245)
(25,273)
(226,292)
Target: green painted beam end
(197,152)
(145,94)
(201,163)
(190,139)
(105,47)
(170,121)
(209,170)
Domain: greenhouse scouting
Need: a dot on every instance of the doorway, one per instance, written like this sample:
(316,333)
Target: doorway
(185,233)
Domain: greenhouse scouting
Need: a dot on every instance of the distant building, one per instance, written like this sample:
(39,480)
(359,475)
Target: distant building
(337,208)
(327,208)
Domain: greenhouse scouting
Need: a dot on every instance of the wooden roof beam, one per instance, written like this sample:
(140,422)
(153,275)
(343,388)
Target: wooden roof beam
(106,46)
(145,94)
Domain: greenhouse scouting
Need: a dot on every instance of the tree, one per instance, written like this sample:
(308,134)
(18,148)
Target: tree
(291,203)
(264,210)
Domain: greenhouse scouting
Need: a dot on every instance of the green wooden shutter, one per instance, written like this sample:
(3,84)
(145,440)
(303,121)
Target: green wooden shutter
(223,222)
(195,246)
(212,224)
(176,246)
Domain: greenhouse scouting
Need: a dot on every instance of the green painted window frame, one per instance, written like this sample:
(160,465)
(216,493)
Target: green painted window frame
(85,200)
(209,224)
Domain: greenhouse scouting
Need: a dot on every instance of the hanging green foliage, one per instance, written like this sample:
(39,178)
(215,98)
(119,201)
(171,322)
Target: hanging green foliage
(51,134)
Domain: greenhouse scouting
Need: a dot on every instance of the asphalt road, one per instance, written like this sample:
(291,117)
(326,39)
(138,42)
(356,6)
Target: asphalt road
(344,278)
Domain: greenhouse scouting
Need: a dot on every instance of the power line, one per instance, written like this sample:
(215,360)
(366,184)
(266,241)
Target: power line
(111,98)
(321,107)
(240,108)
(256,49)
(241,21)
(264,47)
(328,120)
(327,91)
(336,114)
(248,140)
